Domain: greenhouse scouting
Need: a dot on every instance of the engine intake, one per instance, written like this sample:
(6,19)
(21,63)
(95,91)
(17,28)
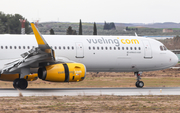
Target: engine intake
(68,72)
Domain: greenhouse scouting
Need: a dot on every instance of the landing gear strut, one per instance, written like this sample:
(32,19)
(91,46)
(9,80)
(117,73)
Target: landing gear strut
(20,83)
(139,84)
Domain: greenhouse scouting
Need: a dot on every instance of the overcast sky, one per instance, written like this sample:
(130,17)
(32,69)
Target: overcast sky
(122,11)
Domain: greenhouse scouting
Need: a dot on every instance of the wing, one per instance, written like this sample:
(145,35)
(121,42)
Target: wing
(41,55)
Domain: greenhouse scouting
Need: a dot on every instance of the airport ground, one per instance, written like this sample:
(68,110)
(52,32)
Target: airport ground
(161,78)
(102,103)
(90,104)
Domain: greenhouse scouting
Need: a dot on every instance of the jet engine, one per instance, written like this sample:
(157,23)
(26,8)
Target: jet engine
(68,72)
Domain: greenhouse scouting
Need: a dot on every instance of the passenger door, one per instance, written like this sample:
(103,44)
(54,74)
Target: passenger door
(79,50)
(147,49)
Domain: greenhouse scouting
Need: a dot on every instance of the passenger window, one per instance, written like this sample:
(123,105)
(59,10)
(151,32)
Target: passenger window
(19,47)
(97,48)
(114,48)
(139,48)
(64,47)
(131,48)
(106,48)
(89,48)
(118,48)
(55,47)
(1,47)
(28,47)
(68,47)
(122,48)
(110,48)
(6,47)
(10,47)
(59,47)
(126,48)
(102,48)
(72,47)
(24,47)
(93,48)
(134,48)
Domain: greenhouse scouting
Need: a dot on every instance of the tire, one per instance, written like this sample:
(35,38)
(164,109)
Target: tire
(22,84)
(141,84)
(15,83)
(137,84)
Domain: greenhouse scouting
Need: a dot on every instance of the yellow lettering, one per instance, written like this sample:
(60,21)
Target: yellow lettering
(135,41)
(132,41)
(122,41)
(128,41)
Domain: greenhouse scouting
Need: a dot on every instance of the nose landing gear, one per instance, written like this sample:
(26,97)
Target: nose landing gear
(138,84)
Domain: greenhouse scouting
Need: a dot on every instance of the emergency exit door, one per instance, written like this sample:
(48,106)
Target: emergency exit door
(79,50)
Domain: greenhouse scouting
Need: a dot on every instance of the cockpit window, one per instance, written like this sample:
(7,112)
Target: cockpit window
(163,48)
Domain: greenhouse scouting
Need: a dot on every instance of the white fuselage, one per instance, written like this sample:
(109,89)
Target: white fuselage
(97,53)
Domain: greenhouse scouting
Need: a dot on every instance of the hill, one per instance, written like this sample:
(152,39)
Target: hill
(142,29)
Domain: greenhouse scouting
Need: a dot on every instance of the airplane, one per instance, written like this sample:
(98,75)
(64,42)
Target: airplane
(59,58)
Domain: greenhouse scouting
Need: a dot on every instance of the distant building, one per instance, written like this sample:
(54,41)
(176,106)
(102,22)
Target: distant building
(167,31)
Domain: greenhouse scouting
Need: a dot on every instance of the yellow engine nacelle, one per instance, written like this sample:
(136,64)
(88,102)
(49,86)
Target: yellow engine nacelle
(12,77)
(69,72)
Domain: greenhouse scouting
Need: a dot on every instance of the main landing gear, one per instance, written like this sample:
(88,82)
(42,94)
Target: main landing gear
(20,83)
(139,84)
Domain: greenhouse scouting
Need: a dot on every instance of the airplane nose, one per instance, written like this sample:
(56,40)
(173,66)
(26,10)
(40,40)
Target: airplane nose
(174,59)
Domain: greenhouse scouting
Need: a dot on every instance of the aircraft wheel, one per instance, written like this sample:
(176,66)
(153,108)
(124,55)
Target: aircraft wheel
(137,84)
(15,83)
(20,83)
(140,84)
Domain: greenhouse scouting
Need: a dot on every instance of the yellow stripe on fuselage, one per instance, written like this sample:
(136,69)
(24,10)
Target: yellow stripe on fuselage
(37,35)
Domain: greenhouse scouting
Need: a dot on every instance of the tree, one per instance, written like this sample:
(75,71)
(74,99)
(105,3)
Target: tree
(1,27)
(70,31)
(94,29)
(112,26)
(127,29)
(11,24)
(51,31)
(106,26)
(109,26)
(80,28)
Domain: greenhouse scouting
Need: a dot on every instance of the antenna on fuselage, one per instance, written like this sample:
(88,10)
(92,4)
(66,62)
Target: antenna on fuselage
(135,34)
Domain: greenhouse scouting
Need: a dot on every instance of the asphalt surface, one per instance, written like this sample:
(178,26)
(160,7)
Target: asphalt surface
(90,91)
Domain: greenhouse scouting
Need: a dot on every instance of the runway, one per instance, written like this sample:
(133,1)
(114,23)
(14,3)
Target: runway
(90,91)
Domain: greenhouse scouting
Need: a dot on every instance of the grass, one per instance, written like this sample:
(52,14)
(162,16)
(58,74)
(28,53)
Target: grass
(104,82)
(162,78)
(91,104)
